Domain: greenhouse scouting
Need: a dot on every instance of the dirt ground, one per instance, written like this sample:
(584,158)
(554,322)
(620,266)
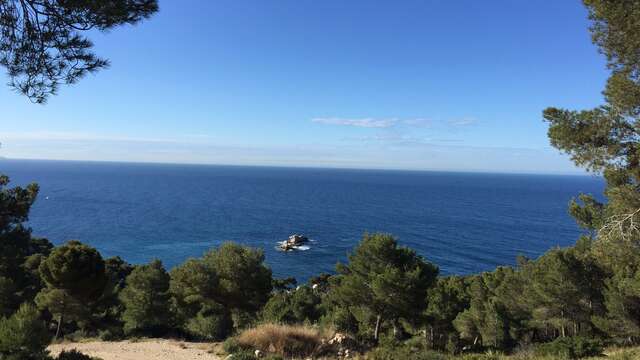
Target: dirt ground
(152,349)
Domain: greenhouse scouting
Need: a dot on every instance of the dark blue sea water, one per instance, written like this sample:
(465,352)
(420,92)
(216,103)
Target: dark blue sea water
(464,222)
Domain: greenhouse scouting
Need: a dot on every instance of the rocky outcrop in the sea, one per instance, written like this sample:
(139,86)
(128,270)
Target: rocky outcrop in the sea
(294,241)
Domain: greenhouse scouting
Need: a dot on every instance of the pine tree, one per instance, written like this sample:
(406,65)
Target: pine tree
(387,280)
(565,291)
(224,288)
(43,42)
(146,300)
(605,140)
(445,300)
(15,243)
(195,292)
(24,335)
(75,279)
(245,282)
(622,301)
(486,320)
(108,310)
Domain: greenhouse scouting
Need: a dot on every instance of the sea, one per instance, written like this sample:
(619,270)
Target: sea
(463,222)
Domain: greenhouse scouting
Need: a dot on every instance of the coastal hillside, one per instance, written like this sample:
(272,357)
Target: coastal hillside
(176,290)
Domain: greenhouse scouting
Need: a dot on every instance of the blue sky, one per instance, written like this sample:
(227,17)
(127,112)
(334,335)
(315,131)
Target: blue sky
(363,84)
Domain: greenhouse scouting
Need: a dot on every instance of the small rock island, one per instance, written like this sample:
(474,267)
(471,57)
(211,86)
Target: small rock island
(293,242)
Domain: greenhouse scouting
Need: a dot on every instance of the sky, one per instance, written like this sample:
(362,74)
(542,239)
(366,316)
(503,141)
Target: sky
(412,84)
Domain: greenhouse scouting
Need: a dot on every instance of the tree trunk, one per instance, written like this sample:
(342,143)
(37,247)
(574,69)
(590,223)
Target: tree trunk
(433,340)
(61,317)
(377,330)
(58,327)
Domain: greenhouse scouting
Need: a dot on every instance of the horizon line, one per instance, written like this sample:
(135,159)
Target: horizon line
(582,173)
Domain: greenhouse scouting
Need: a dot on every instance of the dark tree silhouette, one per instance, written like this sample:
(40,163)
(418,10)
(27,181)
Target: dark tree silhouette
(42,43)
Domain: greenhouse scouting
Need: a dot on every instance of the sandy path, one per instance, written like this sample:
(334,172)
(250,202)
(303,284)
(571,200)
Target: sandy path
(153,349)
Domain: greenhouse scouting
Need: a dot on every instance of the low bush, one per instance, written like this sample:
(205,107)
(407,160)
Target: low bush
(209,325)
(297,306)
(74,355)
(571,348)
(244,355)
(486,356)
(284,340)
(273,357)
(413,349)
(232,346)
(78,335)
(113,334)
(624,354)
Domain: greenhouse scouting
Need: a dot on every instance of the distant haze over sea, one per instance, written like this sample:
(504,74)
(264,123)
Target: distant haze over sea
(463,222)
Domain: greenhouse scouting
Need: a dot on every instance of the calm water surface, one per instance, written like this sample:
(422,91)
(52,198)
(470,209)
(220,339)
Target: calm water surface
(464,222)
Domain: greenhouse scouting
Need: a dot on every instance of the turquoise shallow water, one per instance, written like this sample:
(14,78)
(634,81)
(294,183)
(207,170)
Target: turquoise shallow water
(463,222)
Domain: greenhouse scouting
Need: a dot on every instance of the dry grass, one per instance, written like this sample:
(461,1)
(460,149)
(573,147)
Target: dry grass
(623,353)
(285,340)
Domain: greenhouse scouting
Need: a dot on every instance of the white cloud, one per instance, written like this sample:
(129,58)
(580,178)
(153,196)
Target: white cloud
(365,123)
(389,150)
(389,138)
(418,122)
(394,122)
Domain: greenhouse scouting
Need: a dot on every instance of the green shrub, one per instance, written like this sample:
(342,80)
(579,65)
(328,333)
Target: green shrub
(111,334)
(571,348)
(146,300)
(453,343)
(244,355)
(413,349)
(232,346)
(74,355)
(587,347)
(79,335)
(23,336)
(404,353)
(210,325)
(273,357)
(485,356)
(343,320)
(278,309)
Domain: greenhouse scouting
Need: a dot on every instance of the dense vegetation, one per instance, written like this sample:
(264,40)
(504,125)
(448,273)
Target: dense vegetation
(568,303)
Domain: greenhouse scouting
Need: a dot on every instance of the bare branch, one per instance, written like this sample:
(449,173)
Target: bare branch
(624,226)
(41,41)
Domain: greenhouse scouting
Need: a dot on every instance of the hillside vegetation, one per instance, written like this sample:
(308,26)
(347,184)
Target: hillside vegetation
(386,301)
